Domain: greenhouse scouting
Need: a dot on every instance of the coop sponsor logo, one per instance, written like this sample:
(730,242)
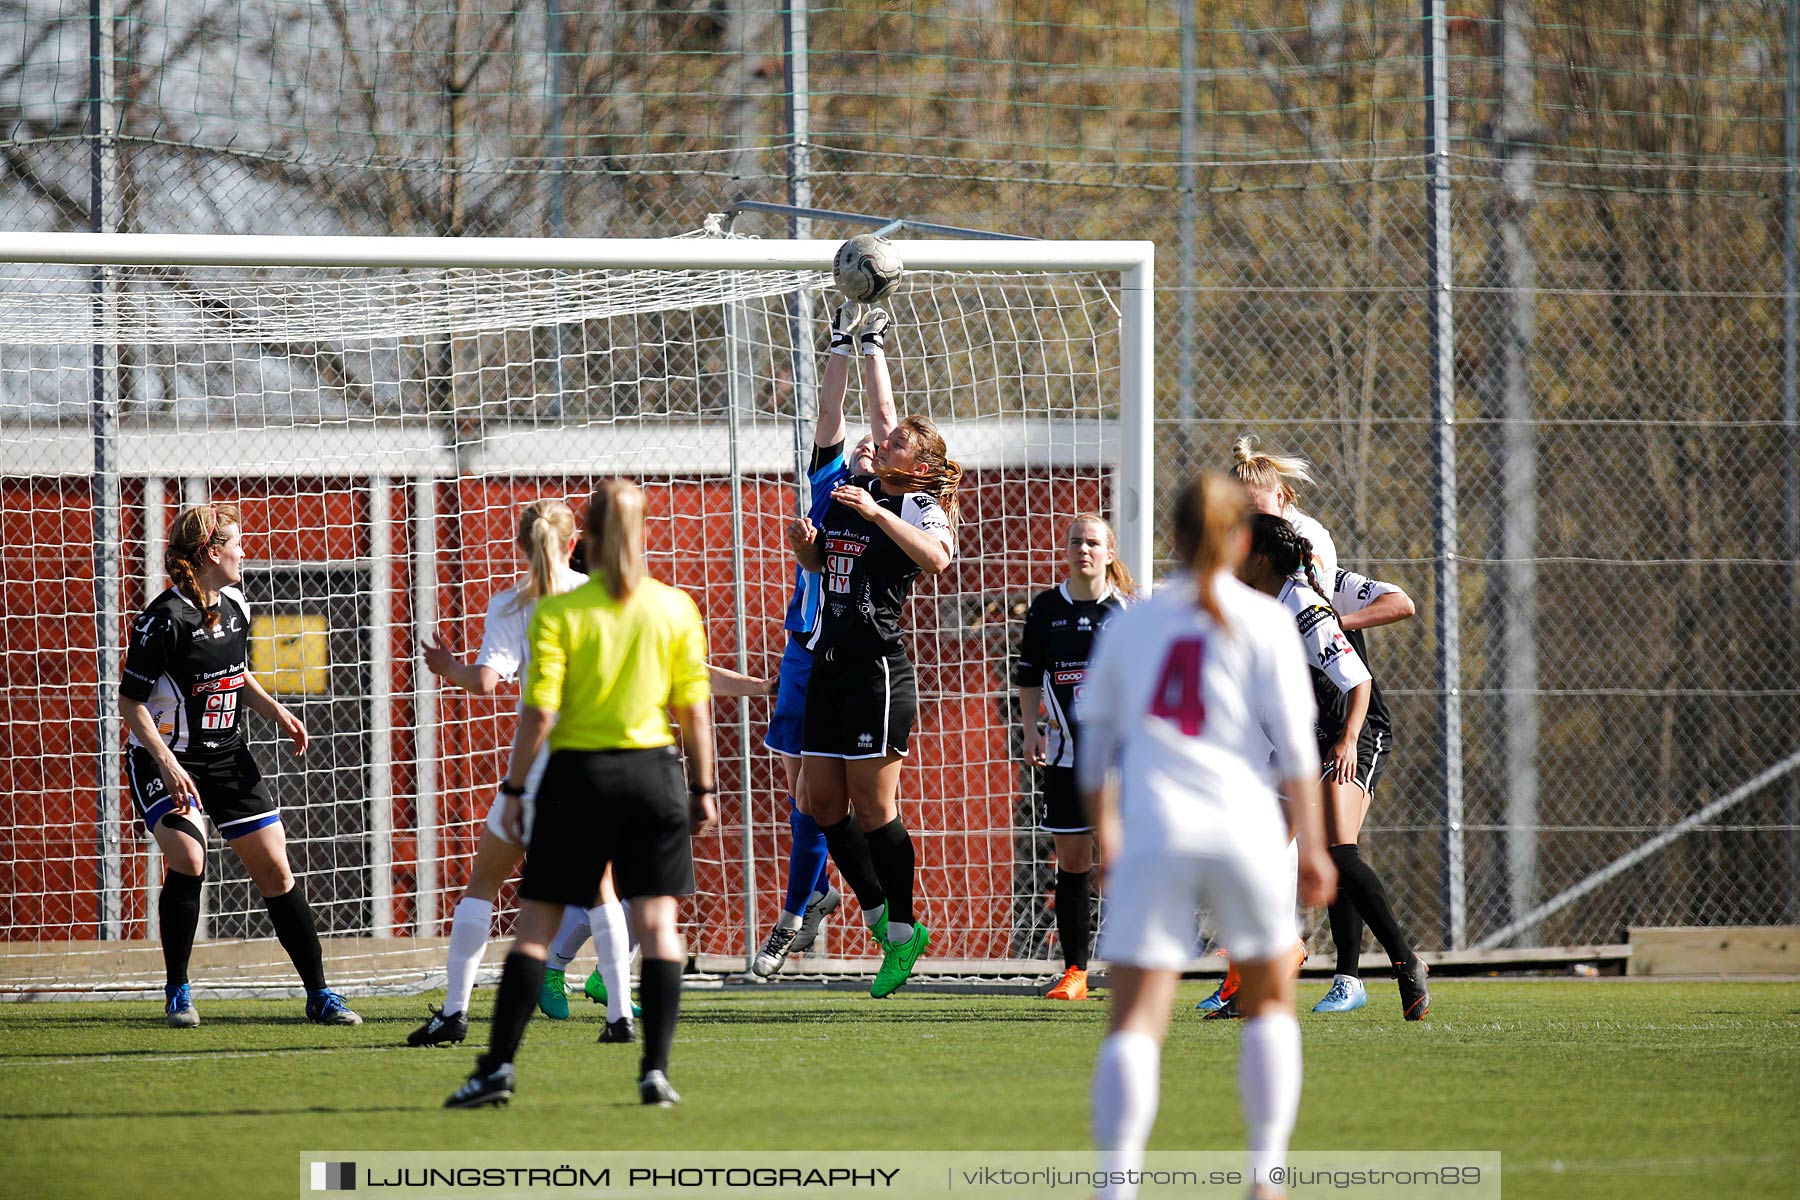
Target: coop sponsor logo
(229,683)
(1066,677)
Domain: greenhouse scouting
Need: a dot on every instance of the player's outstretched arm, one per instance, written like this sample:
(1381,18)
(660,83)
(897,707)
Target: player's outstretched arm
(477,681)
(726,682)
(878,388)
(832,430)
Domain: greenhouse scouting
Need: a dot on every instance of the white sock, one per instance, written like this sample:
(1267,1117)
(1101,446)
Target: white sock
(570,937)
(1269,1089)
(789,920)
(874,918)
(1126,1089)
(899,933)
(612,942)
(470,925)
(817,896)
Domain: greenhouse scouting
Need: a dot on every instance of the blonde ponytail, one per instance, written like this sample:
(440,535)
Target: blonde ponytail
(1272,472)
(1208,512)
(546,530)
(615,526)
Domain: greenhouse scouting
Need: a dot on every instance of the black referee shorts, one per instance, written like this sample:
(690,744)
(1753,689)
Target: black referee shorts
(626,808)
(860,706)
(1373,746)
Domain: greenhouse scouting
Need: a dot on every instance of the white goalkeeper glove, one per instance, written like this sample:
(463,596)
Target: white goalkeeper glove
(844,321)
(871,331)
(854,324)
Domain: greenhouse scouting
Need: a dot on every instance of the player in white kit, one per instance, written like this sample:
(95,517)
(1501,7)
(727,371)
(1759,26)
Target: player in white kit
(1185,696)
(547,536)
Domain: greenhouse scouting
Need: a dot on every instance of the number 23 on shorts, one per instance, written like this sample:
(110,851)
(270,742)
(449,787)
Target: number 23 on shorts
(1177,697)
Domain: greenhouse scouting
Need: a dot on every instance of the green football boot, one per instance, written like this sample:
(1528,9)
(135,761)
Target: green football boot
(595,990)
(897,963)
(553,998)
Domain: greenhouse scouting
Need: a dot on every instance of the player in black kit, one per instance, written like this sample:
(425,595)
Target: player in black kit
(187,683)
(1355,737)
(878,533)
(1054,651)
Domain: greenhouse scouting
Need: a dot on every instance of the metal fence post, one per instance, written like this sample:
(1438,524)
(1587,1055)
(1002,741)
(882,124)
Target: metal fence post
(1443,452)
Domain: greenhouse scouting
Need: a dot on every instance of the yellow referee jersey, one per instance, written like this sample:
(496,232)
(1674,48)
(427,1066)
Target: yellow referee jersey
(610,670)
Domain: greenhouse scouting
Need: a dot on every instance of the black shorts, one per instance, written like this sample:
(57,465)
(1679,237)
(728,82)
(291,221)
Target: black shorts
(1372,749)
(626,808)
(1059,805)
(860,706)
(232,794)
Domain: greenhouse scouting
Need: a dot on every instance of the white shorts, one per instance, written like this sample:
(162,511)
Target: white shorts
(1153,895)
(497,811)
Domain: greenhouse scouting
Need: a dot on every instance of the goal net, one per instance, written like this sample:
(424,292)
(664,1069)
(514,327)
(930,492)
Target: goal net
(381,424)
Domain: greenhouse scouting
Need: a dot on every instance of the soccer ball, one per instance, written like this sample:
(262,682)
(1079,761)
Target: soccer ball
(866,268)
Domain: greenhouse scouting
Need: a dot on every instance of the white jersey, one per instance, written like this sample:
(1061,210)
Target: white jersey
(1328,648)
(1324,550)
(1185,711)
(505,649)
(1351,592)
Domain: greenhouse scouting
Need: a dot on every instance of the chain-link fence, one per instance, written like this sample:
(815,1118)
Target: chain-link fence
(1624,428)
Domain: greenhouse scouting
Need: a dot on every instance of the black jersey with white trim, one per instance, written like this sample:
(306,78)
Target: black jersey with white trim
(191,678)
(867,576)
(1054,652)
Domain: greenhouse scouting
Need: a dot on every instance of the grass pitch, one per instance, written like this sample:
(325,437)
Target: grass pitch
(1595,1088)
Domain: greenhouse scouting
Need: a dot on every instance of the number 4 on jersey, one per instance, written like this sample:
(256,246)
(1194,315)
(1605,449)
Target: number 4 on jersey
(1177,697)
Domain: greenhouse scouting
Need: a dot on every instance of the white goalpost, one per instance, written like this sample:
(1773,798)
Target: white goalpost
(381,409)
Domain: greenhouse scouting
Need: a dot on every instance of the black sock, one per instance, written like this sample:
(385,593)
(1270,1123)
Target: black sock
(1358,878)
(850,851)
(294,927)
(1346,933)
(659,990)
(891,850)
(1072,927)
(178,914)
(521,979)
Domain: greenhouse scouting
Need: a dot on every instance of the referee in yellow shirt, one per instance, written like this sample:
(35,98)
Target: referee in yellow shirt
(610,661)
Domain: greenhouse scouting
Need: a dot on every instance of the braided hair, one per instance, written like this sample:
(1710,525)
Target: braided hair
(194,532)
(1288,553)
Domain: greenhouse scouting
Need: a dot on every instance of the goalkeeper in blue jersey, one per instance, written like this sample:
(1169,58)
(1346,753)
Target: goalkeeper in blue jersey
(856,332)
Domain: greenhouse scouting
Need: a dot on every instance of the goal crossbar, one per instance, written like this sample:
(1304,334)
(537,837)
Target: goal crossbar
(1132,261)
